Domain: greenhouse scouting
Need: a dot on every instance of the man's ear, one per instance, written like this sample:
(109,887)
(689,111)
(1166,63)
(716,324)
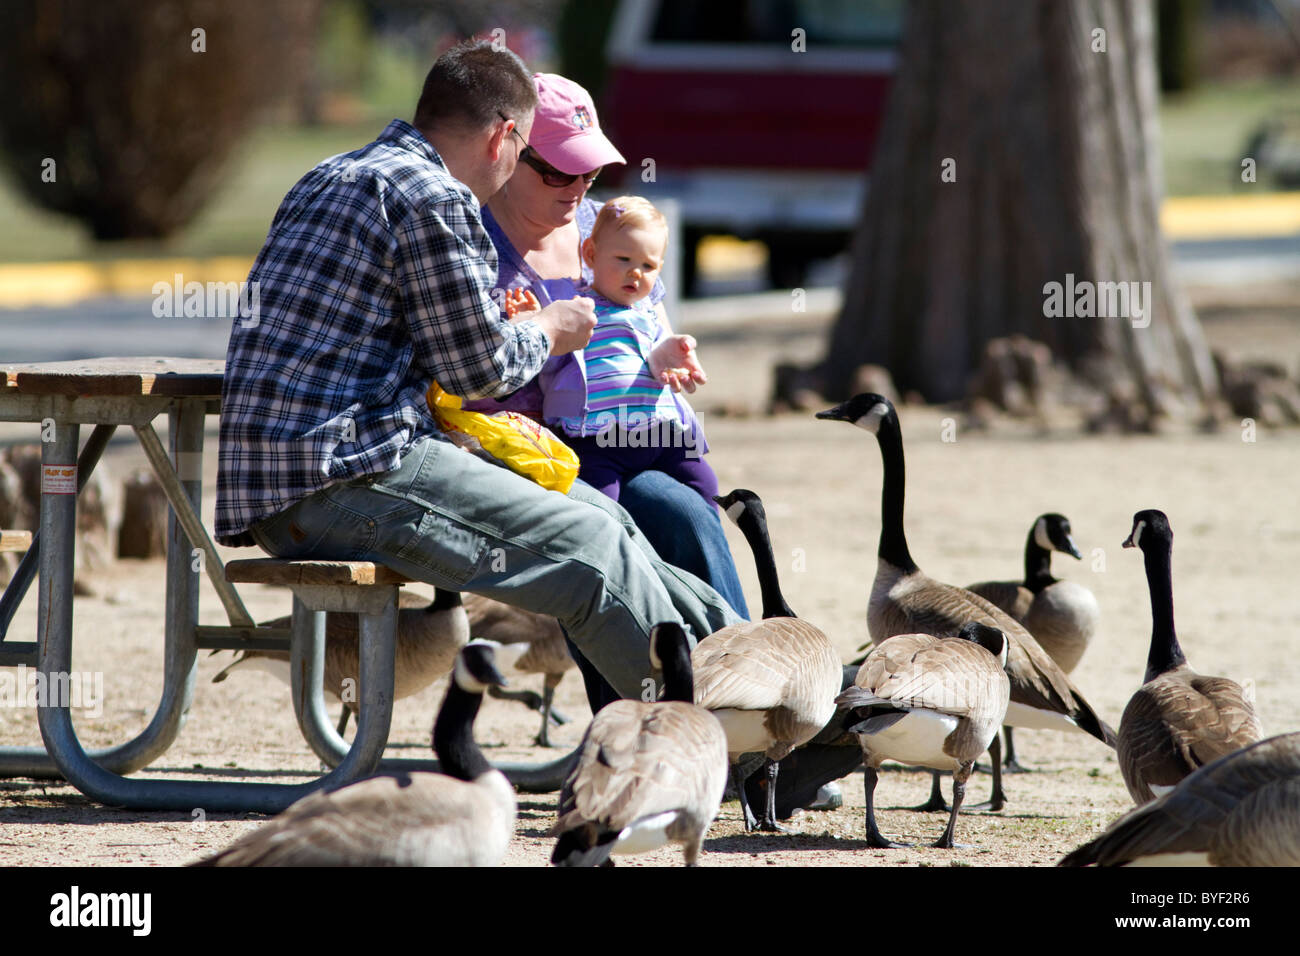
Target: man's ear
(589,252)
(497,141)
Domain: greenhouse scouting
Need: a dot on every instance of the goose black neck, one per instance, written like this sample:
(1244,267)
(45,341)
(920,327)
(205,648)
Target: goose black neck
(453,735)
(893,543)
(679,678)
(1165,653)
(1038,565)
(444,600)
(754,529)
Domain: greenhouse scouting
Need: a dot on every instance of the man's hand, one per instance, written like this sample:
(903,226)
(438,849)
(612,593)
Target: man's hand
(674,362)
(567,323)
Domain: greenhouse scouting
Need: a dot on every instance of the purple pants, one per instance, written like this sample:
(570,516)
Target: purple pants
(605,462)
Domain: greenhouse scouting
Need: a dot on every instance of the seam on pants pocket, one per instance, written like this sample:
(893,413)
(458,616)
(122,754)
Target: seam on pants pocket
(452,551)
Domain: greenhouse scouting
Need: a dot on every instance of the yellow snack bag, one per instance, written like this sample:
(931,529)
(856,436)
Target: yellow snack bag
(521,444)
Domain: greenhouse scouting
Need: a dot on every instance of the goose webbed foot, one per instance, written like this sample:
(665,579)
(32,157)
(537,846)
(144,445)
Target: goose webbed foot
(936,801)
(1014,766)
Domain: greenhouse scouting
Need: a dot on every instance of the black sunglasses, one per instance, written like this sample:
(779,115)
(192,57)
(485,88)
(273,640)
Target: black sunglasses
(552,176)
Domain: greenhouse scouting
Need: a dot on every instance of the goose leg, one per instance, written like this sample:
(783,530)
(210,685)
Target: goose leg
(936,801)
(958,793)
(874,838)
(997,799)
(548,696)
(751,822)
(769,822)
(1012,765)
(343,719)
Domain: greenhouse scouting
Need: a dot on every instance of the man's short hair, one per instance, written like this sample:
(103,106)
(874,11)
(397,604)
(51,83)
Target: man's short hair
(472,86)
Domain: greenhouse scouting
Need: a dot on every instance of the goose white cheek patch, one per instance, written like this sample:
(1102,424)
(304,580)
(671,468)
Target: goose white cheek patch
(1136,536)
(1040,535)
(872,419)
(465,680)
(735,510)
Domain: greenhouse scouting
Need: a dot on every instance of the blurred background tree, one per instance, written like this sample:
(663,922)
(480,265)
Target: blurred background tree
(139,113)
(1052,132)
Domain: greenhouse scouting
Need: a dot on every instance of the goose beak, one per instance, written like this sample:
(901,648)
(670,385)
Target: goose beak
(495,676)
(1129,542)
(1072,549)
(836,414)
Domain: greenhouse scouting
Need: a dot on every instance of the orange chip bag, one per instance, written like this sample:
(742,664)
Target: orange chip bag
(521,444)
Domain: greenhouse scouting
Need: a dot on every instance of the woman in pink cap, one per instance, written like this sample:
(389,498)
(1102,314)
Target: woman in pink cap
(538,222)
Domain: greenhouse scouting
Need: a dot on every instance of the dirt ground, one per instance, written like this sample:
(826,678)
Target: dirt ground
(969,504)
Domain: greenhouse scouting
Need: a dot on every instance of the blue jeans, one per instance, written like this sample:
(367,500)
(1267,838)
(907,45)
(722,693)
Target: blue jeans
(684,531)
(449,519)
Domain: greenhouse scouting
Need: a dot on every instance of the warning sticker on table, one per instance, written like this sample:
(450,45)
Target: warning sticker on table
(58,479)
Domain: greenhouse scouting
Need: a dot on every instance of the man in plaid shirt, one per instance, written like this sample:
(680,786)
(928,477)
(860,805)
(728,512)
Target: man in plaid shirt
(377,276)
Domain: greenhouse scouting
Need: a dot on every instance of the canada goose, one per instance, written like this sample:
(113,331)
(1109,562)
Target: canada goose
(904,600)
(1062,615)
(931,701)
(429,636)
(649,774)
(463,817)
(771,683)
(1241,810)
(1177,720)
(530,644)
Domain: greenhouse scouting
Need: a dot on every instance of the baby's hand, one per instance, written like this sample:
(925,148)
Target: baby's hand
(519,302)
(674,362)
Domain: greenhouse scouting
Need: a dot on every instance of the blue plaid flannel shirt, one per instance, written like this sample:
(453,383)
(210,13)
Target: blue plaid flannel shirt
(376,277)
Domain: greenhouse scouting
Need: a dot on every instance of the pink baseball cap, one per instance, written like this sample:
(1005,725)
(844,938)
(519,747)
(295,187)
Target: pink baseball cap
(565,131)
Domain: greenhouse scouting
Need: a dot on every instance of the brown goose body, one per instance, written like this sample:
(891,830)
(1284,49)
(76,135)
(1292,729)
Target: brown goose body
(1042,696)
(1063,616)
(429,636)
(1177,720)
(648,774)
(1241,810)
(530,644)
(946,677)
(462,817)
(771,683)
(925,700)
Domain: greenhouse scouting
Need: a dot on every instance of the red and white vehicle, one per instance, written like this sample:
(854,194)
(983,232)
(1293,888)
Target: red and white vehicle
(760,116)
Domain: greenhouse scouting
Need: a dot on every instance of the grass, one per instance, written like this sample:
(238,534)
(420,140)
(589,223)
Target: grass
(1204,135)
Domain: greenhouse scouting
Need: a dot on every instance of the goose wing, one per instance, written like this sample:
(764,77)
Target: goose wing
(417,819)
(638,760)
(918,671)
(1243,809)
(1178,722)
(931,607)
(761,665)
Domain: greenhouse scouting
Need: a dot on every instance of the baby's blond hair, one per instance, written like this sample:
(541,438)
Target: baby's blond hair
(624,212)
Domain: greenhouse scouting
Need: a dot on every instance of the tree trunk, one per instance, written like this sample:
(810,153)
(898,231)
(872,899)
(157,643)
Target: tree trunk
(1054,146)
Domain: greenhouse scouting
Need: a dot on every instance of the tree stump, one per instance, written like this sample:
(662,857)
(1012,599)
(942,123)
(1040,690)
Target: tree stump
(143,533)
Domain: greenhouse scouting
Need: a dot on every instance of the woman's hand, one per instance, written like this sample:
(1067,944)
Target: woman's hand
(674,362)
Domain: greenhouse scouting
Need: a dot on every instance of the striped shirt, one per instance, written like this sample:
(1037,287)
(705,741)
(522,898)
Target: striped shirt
(376,276)
(620,388)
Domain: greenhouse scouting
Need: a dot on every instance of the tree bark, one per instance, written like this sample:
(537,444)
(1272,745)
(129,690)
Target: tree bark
(1055,150)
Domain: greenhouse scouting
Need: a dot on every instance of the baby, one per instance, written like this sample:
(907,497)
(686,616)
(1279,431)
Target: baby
(629,417)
